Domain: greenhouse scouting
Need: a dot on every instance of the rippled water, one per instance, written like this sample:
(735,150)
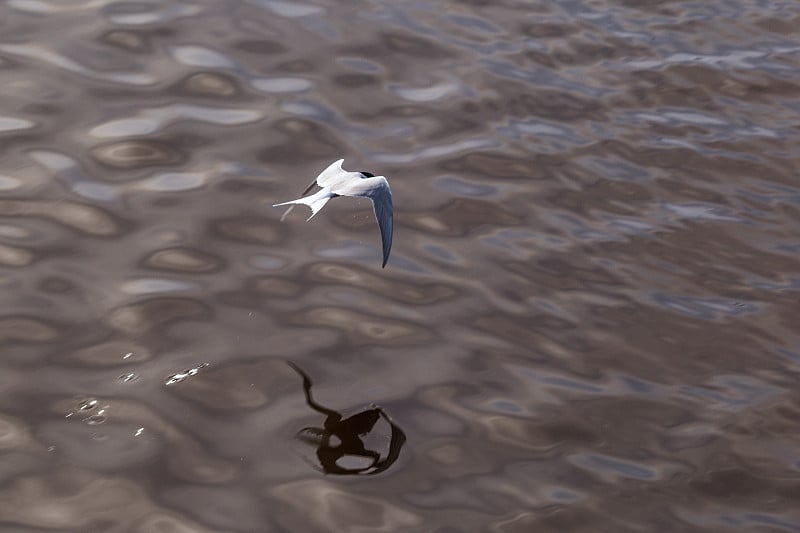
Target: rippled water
(588,322)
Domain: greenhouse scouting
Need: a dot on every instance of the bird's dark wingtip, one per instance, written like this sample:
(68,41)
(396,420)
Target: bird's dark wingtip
(385,258)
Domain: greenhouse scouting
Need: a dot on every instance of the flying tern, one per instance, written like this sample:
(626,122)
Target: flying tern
(335,181)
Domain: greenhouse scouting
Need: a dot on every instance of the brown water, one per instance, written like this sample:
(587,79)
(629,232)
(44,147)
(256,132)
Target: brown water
(589,321)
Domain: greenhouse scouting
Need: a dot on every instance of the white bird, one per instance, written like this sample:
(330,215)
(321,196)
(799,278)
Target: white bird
(335,181)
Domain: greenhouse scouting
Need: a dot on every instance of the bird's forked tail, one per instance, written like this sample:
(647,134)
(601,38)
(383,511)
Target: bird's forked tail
(315,202)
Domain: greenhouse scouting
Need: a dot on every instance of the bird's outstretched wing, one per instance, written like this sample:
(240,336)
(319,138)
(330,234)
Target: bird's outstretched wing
(382,204)
(330,174)
(377,189)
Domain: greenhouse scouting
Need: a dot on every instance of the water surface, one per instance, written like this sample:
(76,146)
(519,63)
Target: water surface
(588,322)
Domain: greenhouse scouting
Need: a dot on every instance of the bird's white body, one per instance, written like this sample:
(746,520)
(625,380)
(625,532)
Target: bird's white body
(335,181)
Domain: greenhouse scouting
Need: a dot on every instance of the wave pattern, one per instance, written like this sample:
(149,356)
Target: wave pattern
(588,323)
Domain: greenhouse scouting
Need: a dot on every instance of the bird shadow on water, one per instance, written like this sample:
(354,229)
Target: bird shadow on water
(342,440)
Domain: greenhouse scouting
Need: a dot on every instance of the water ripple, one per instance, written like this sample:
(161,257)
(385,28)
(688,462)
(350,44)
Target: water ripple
(135,154)
(609,466)
(43,6)
(160,15)
(282,85)
(15,124)
(87,219)
(200,56)
(41,53)
(150,121)
(156,286)
(289,9)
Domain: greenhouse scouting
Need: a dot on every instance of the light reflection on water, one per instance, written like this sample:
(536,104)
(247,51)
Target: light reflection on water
(588,321)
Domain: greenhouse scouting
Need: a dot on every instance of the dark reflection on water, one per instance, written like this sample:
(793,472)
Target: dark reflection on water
(343,438)
(589,321)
